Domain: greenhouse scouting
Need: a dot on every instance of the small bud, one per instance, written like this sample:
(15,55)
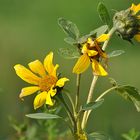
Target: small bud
(127,24)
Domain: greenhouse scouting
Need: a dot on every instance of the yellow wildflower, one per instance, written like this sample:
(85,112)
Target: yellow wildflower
(91,52)
(47,83)
(135,9)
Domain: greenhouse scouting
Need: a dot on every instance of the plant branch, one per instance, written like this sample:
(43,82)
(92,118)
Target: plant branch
(104,93)
(77,93)
(95,78)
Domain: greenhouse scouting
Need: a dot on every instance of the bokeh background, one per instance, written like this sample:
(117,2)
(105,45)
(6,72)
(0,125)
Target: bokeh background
(29,30)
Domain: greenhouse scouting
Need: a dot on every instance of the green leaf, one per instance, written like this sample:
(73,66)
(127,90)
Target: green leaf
(130,93)
(115,53)
(95,33)
(70,41)
(113,82)
(69,28)
(92,105)
(98,136)
(69,53)
(99,31)
(44,116)
(131,135)
(83,39)
(103,13)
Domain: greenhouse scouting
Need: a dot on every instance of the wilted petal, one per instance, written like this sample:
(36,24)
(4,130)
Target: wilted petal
(28,91)
(40,99)
(61,82)
(102,38)
(98,69)
(37,67)
(26,74)
(82,64)
(92,53)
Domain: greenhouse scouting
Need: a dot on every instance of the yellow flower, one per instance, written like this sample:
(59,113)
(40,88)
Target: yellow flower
(135,9)
(91,52)
(46,83)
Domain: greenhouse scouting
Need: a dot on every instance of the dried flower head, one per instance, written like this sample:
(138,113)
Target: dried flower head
(127,23)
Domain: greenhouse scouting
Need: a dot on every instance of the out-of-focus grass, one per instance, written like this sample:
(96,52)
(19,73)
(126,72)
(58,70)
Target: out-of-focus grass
(29,30)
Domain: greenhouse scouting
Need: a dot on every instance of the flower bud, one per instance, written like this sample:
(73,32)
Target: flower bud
(127,23)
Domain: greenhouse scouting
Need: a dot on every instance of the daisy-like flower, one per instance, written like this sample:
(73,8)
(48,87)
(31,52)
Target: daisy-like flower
(127,23)
(90,53)
(47,84)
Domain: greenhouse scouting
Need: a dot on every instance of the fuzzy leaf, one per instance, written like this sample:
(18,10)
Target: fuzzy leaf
(69,28)
(99,31)
(44,116)
(68,53)
(115,53)
(103,13)
(130,93)
(70,41)
(98,136)
(92,105)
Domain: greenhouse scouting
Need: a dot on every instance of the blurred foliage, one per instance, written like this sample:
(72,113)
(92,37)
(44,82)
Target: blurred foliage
(131,135)
(28,30)
(42,129)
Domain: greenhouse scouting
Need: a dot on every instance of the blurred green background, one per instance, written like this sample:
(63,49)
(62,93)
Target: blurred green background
(29,30)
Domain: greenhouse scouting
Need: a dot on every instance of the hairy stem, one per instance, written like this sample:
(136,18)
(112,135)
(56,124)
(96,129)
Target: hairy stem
(95,78)
(89,100)
(77,93)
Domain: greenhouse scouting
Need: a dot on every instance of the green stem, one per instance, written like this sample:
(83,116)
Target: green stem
(70,115)
(89,100)
(90,95)
(71,101)
(104,93)
(77,93)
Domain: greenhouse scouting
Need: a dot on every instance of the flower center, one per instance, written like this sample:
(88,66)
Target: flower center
(47,82)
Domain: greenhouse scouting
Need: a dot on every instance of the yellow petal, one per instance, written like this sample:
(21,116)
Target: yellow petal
(37,67)
(98,69)
(135,8)
(102,38)
(28,91)
(89,40)
(61,82)
(92,53)
(82,64)
(52,91)
(48,99)
(48,63)
(84,48)
(40,99)
(26,74)
(54,72)
(137,37)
